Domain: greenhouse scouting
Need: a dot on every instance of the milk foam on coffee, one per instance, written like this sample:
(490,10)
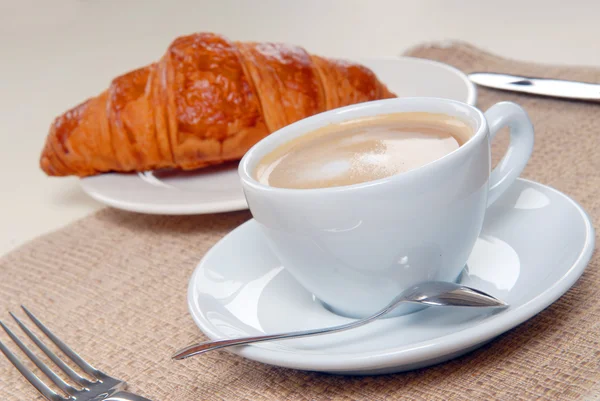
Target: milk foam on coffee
(362,150)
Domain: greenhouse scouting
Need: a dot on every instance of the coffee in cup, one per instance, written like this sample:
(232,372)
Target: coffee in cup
(361,150)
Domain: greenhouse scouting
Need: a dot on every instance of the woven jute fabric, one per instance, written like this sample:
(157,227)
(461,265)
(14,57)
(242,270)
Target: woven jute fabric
(113,286)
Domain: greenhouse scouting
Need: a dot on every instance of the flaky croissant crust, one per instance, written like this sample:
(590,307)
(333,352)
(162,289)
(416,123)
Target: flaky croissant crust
(206,101)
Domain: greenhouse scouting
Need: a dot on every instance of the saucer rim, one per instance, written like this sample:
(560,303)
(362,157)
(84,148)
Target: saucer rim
(415,353)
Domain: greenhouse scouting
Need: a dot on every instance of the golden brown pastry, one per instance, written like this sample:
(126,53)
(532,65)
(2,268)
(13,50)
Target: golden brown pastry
(206,101)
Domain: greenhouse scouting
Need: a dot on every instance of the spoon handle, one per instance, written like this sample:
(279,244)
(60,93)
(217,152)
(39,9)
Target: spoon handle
(206,346)
(431,294)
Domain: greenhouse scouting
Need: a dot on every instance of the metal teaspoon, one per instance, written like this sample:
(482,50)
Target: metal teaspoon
(432,293)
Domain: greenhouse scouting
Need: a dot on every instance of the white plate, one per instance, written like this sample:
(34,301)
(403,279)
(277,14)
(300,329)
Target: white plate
(219,189)
(534,245)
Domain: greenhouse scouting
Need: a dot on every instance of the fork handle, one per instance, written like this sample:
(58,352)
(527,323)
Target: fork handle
(125,396)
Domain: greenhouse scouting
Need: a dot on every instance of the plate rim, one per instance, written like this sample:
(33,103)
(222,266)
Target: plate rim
(408,354)
(240,203)
(471,87)
(172,209)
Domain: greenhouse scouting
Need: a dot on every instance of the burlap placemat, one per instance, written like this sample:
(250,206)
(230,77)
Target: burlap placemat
(114,285)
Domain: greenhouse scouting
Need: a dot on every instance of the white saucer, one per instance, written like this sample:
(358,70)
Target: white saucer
(534,245)
(219,189)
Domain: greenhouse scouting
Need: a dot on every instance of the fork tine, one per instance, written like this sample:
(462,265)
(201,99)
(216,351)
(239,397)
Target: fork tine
(87,368)
(76,377)
(30,376)
(41,365)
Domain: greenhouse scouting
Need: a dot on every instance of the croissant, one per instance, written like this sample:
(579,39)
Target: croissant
(206,101)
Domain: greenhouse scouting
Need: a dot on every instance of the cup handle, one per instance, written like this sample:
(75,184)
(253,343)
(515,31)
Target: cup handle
(519,150)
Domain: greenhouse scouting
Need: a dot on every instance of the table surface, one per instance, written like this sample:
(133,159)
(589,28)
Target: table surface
(58,53)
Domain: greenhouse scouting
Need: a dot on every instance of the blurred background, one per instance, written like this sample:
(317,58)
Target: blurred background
(56,53)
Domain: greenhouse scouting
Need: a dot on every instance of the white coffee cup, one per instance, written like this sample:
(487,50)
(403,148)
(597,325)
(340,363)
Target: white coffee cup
(356,247)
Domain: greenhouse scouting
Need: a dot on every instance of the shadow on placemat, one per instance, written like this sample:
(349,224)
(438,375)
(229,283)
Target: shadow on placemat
(173,225)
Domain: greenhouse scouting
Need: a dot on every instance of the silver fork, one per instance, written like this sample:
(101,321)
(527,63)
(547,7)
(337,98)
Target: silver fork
(103,387)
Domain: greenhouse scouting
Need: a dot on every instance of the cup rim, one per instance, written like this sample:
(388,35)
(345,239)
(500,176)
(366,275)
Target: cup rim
(247,178)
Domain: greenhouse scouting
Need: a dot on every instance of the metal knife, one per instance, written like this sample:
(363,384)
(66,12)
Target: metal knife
(538,86)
